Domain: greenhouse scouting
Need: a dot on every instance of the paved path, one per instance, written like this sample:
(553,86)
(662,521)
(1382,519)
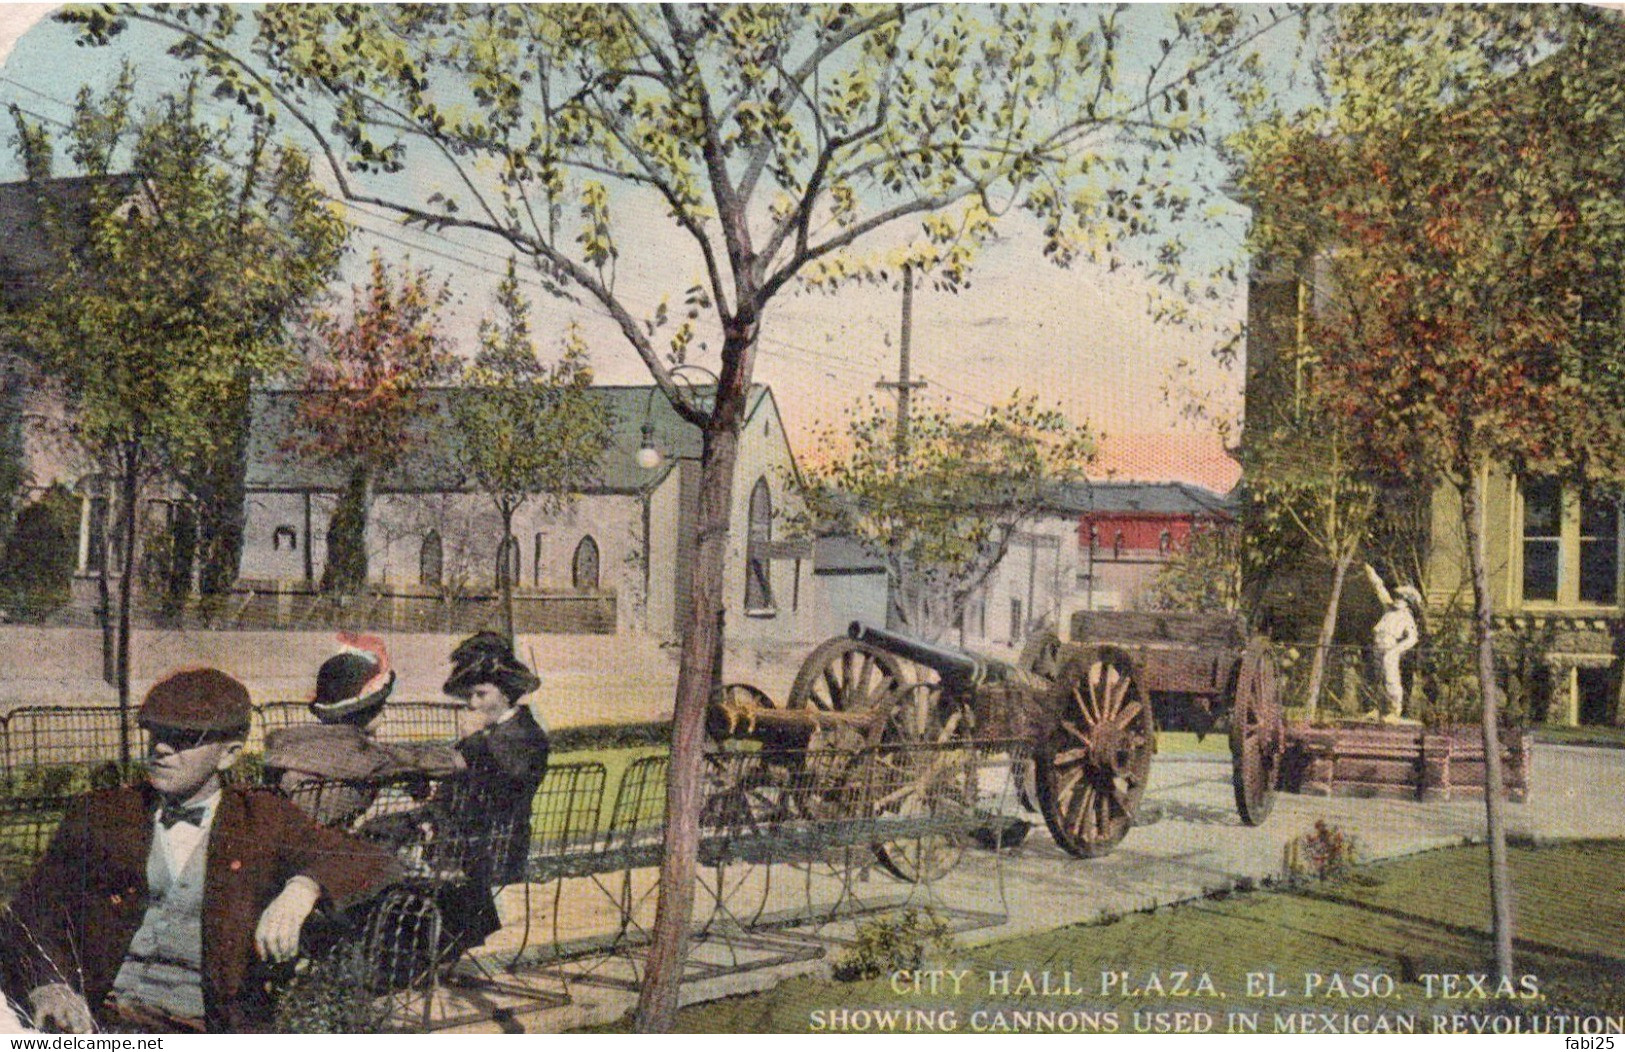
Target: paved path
(1197,846)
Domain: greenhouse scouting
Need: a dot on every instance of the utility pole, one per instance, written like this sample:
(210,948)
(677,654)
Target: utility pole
(904,385)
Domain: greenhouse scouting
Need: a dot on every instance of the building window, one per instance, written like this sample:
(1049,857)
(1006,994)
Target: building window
(1117,545)
(508,562)
(1015,621)
(284,537)
(584,566)
(536,561)
(1599,549)
(1165,543)
(1570,544)
(1542,537)
(431,560)
(758,566)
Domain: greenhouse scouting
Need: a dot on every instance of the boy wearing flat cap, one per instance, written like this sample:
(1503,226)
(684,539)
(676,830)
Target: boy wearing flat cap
(156,905)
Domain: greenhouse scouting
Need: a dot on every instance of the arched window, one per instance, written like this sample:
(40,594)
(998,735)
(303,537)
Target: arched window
(584,566)
(1117,545)
(284,535)
(431,560)
(508,562)
(758,566)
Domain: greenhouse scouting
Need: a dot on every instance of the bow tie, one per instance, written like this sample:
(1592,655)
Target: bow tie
(170,814)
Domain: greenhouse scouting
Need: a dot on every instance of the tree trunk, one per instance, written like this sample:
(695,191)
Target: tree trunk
(1494,805)
(129,492)
(182,560)
(224,492)
(346,569)
(504,576)
(1328,629)
(701,643)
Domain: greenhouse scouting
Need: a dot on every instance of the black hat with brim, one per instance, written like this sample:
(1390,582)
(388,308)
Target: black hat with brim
(487,658)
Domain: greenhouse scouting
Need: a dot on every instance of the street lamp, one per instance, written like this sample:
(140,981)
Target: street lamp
(648,456)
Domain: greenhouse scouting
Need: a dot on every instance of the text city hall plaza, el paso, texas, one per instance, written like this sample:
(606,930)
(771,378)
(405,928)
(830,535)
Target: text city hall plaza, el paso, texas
(821,519)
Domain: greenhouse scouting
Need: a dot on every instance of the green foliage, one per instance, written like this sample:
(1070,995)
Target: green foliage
(1204,577)
(345,571)
(330,993)
(527,433)
(36,569)
(901,942)
(942,512)
(1324,853)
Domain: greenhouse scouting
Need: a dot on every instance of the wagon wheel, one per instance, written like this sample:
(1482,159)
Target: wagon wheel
(1094,764)
(1257,735)
(927,784)
(769,796)
(843,675)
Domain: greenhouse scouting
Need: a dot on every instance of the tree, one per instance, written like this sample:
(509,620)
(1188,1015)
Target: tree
(364,392)
(167,293)
(783,144)
(942,512)
(526,432)
(1462,182)
(1309,492)
(36,569)
(1205,575)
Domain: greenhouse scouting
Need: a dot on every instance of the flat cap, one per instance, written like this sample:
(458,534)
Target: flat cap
(199,699)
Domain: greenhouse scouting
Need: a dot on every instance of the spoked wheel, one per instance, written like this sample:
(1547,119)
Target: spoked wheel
(843,675)
(1094,765)
(934,786)
(770,793)
(1257,734)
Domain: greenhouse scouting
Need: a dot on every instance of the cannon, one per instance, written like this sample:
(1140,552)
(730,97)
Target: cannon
(1084,708)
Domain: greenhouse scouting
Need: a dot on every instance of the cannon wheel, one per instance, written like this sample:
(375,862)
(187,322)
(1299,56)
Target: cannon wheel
(921,784)
(1257,734)
(843,675)
(1042,657)
(1094,765)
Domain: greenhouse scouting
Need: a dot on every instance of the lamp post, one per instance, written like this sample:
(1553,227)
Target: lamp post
(648,456)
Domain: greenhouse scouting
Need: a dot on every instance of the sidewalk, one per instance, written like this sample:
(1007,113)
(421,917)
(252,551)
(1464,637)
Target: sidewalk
(1198,845)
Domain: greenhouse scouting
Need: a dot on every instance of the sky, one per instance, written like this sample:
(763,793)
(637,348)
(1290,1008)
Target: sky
(1079,338)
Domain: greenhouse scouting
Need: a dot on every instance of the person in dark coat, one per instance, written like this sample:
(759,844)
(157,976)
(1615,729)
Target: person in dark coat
(333,768)
(490,802)
(157,907)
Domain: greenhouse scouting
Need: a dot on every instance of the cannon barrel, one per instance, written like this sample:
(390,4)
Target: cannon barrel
(952,664)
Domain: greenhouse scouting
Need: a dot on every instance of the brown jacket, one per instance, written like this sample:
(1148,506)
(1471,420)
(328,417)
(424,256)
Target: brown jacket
(318,755)
(77,912)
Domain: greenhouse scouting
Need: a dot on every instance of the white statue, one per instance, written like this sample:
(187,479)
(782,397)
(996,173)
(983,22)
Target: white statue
(1393,636)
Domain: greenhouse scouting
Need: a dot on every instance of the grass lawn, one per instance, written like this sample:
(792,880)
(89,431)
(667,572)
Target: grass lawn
(1613,737)
(1392,923)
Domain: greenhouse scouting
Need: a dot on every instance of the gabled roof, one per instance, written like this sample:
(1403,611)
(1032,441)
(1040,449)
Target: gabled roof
(1143,498)
(430,465)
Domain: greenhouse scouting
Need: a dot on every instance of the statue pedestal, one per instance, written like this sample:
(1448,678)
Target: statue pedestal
(1400,761)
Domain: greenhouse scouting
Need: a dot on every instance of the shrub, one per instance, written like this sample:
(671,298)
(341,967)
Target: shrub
(896,943)
(1323,853)
(36,568)
(330,994)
